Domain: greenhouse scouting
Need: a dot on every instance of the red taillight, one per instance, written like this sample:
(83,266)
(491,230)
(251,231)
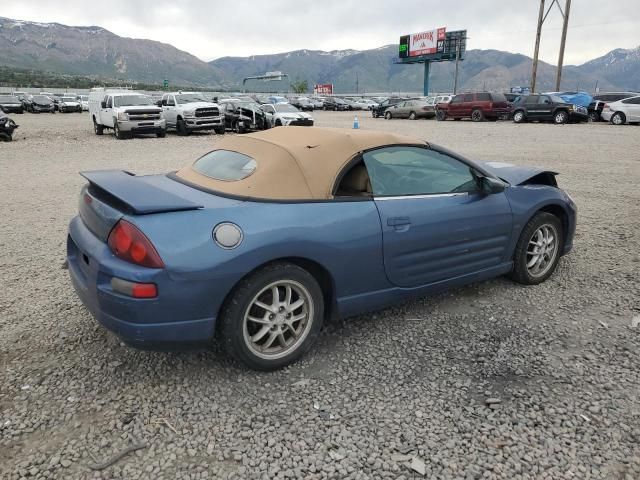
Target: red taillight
(133,289)
(130,244)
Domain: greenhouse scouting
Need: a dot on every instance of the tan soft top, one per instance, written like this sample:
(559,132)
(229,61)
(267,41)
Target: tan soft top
(294,163)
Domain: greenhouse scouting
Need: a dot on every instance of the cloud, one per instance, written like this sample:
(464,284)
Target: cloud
(214,29)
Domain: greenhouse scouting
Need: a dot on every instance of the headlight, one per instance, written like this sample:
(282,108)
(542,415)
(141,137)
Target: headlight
(189,113)
(123,116)
(288,118)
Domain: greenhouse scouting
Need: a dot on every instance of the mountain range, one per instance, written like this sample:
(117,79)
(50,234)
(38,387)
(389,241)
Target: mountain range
(97,52)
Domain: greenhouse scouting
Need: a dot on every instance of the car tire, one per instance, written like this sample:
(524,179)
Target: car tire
(119,134)
(412,116)
(388,115)
(181,128)
(161,133)
(519,116)
(243,331)
(594,116)
(441,115)
(561,117)
(373,114)
(477,115)
(534,259)
(278,123)
(237,128)
(97,128)
(220,131)
(618,118)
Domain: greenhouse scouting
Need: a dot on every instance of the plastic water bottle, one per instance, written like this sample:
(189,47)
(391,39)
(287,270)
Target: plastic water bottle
(356,123)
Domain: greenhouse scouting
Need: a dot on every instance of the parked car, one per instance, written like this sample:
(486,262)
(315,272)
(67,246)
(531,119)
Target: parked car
(338,222)
(126,112)
(84,102)
(284,114)
(595,108)
(622,111)
(11,104)
(276,99)
(411,109)
(69,104)
(335,104)
(378,110)
(368,103)
(303,103)
(476,106)
(318,103)
(7,127)
(547,108)
(40,104)
(242,117)
(189,112)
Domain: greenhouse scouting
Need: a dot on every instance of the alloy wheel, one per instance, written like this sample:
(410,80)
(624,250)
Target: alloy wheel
(542,250)
(278,319)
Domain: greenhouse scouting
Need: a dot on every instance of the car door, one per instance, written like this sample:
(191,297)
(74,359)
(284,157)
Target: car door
(106,113)
(531,104)
(170,110)
(270,113)
(436,224)
(632,109)
(544,109)
(454,109)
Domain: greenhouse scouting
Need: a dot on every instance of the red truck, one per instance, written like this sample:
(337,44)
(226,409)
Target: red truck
(476,106)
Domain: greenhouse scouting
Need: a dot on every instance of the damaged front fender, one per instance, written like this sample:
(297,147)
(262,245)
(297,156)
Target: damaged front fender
(521,175)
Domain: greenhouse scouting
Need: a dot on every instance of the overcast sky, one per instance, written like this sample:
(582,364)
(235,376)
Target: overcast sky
(211,29)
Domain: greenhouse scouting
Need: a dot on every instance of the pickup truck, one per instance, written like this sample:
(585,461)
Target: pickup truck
(190,111)
(125,112)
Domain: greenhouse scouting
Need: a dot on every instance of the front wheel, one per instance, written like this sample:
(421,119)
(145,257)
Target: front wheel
(441,115)
(538,249)
(272,317)
(161,133)
(120,135)
(519,117)
(181,128)
(220,131)
(561,117)
(477,115)
(388,115)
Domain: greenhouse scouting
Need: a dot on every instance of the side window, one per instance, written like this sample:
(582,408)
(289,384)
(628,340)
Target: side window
(531,100)
(544,99)
(404,170)
(483,97)
(171,101)
(468,97)
(457,99)
(109,102)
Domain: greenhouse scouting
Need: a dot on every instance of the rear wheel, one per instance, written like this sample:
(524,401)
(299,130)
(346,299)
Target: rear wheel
(441,115)
(560,117)
(97,128)
(477,115)
(538,249)
(519,116)
(618,118)
(272,317)
(238,128)
(594,116)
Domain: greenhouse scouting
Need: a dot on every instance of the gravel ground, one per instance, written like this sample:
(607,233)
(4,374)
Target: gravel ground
(410,385)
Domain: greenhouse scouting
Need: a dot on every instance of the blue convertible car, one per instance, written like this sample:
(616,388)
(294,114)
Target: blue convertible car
(260,240)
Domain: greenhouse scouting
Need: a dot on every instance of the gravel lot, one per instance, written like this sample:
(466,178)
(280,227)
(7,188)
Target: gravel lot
(412,383)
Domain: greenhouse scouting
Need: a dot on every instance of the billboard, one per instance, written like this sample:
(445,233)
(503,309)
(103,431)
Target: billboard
(423,43)
(323,89)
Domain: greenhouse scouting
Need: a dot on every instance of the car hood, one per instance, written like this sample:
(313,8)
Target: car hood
(142,108)
(70,103)
(514,174)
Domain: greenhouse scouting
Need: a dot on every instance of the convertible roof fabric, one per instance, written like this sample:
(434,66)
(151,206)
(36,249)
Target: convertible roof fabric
(294,163)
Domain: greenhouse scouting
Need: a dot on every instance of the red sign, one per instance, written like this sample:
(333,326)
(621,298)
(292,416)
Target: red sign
(323,89)
(427,43)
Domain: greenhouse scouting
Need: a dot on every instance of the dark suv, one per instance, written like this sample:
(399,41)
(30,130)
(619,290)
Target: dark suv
(599,100)
(476,106)
(548,108)
(378,110)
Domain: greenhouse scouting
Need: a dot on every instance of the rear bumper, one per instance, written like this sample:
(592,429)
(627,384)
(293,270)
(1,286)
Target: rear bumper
(606,115)
(172,319)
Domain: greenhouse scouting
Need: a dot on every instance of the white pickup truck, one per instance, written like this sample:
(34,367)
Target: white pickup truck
(190,111)
(126,112)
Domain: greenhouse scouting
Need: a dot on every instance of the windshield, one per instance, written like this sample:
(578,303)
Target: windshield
(41,99)
(8,99)
(131,101)
(68,99)
(189,98)
(285,107)
(557,99)
(253,105)
(84,98)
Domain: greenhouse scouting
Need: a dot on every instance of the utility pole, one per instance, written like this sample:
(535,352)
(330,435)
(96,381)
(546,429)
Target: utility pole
(357,84)
(455,77)
(534,72)
(565,23)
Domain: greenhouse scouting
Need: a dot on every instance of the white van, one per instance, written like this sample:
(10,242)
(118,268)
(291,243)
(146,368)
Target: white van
(126,112)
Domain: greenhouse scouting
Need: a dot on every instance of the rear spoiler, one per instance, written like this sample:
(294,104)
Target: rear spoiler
(140,195)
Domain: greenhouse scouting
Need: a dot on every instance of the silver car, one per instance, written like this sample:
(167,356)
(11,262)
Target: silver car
(622,111)
(411,109)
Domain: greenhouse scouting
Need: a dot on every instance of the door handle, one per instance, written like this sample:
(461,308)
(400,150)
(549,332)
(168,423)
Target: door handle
(398,221)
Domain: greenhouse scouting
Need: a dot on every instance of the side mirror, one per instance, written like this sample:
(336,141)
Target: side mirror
(491,185)
(103,104)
